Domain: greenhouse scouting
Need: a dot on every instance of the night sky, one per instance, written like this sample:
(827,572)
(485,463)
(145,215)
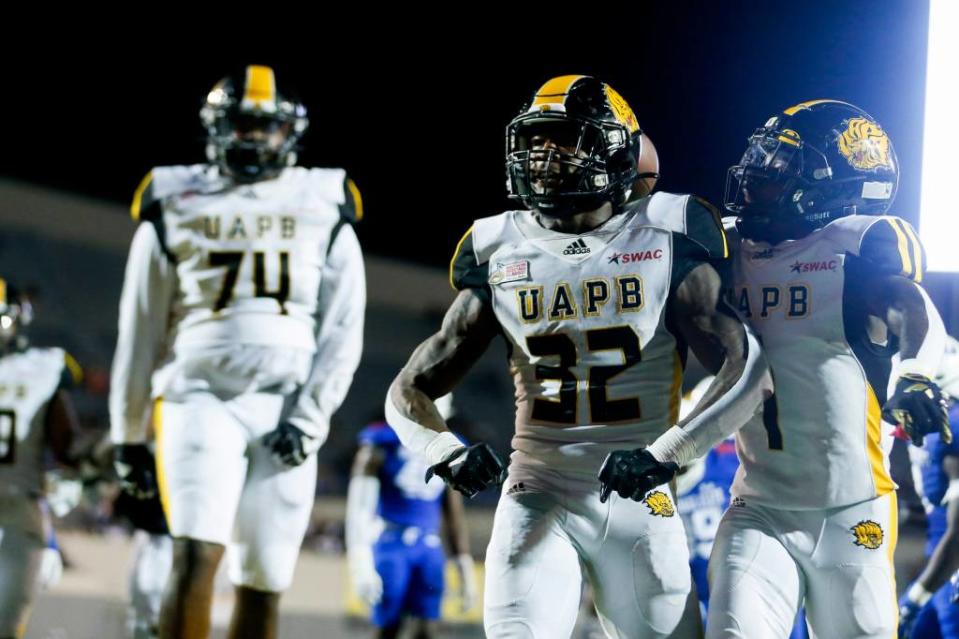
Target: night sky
(416,114)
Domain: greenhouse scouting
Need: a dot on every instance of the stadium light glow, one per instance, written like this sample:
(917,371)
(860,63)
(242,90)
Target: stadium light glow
(938,207)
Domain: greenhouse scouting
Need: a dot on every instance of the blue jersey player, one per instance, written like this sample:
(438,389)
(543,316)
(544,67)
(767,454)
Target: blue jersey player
(393,518)
(926,609)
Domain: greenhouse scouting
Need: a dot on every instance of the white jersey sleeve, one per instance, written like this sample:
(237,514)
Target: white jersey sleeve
(339,342)
(148,289)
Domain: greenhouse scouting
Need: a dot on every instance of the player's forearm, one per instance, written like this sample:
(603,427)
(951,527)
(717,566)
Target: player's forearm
(361,499)
(911,315)
(435,367)
(417,421)
(945,558)
(727,406)
(148,288)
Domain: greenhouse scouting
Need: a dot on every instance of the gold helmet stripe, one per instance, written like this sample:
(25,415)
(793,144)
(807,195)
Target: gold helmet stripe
(3,291)
(555,90)
(260,86)
(805,105)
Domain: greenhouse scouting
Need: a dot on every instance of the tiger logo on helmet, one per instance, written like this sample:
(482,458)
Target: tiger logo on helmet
(865,145)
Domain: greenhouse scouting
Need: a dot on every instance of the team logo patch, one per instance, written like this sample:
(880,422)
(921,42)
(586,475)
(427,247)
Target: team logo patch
(621,109)
(868,534)
(812,267)
(511,272)
(638,256)
(865,145)
(659,504)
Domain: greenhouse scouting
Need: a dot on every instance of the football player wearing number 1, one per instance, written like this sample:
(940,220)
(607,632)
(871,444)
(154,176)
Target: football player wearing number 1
(597,296)
(241,324)
(831,286)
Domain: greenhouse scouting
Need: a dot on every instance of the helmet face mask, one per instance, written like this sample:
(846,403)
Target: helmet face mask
(813,163)
(252,130)
(572,152)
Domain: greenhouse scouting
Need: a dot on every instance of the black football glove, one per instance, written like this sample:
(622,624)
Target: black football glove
(632,474)
(470,470)
(290,445)
(136,470)
(919,408)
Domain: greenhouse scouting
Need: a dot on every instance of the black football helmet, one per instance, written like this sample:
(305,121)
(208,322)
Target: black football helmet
(252,129)
(16,313)
(574,146)
(812,163)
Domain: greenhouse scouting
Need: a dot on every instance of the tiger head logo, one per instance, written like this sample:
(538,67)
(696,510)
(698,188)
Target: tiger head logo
(659,504)
(865,145)
(868,534)
(621,109)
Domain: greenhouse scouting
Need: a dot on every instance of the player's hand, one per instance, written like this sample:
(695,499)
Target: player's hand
(366,581)
(632,474)
(470,470)
(469,595)
(955,589)
(908,613)
(919,408)
(289,445)
(136,470)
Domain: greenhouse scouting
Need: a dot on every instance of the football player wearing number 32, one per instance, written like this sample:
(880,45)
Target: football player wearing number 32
(597,288)
(241,324)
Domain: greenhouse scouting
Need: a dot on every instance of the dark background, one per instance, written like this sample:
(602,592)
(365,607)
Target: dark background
(414,102)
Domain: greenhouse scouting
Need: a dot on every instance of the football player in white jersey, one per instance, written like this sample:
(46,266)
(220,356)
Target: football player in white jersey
(241,325)
(36,418)
(831,286)
(597,297)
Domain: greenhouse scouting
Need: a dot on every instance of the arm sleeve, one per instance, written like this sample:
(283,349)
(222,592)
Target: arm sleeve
(339,337)
(149,286)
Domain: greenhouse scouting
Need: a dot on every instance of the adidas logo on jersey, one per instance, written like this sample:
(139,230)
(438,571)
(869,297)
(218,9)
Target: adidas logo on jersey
(765,254)
(577,248)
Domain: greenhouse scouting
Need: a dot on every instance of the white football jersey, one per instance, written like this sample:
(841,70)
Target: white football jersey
(819,441)
(595,364)
(28,381)
(229,287)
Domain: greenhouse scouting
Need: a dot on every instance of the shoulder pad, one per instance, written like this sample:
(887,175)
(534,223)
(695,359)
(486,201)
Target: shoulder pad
(691,216)
(888,243)
(468,267)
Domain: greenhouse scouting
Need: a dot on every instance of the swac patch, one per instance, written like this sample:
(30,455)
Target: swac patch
(865,145)
(868,534)
(622,110)
(659,504)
